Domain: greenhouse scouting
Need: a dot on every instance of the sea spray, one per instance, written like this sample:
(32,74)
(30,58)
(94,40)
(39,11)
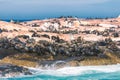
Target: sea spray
(73,73)
(77,70)
(52,64)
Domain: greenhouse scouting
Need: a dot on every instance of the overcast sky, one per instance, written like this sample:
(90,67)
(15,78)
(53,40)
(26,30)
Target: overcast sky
(36,9)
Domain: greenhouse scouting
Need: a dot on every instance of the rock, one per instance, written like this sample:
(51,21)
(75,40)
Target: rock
(94,32)
(54,37)
(79,40)
(46,36)
(76,48)
(115,34)
(16,39)
(62,41)
(25,37)
(102,43)
(26,49)
(87,32)
(35,35)
(32,31)
(62,51)
(44,42)
(30,40)
(13,70)
(30,49)
(51,50)
(5,30)
(105,33)
(102,55)
(1,31)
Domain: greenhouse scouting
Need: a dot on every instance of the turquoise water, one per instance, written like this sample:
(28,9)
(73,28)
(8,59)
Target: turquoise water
(110,72)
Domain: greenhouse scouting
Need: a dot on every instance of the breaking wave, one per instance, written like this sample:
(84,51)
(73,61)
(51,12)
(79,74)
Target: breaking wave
(73,71)
(69,73)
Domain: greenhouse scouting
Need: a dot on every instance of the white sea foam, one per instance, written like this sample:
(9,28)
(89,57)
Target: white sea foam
(72,71)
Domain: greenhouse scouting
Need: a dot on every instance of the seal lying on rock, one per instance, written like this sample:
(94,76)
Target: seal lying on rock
(9,70)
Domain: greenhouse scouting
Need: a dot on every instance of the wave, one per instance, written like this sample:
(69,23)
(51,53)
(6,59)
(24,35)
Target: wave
(70,71)
(74,71)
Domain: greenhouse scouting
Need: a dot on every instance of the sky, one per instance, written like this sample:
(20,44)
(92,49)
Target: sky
(41,9)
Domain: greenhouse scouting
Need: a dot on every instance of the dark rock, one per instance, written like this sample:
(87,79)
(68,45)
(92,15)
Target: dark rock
(79,40)
(115,34)
(44,42)
(102,43)
(87,32)
(51,50)
(105,33)
(61,51)
(76,48)
(62,41)
(24,36)
(102,55)
(95,32)
(112,29)
(4,30)
(46,36)
(16,39)
(53,37)
(30,49)
(1,31)
(31,31)
(13,70)
(31,40)
(35,35)
(108,40)
(16,30)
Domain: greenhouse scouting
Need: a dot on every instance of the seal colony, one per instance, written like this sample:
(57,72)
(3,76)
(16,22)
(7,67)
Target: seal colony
(59,42)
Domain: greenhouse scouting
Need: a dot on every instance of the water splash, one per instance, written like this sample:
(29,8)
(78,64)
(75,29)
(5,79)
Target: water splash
(60,64)
(73,71)
(104,72)
(52,64)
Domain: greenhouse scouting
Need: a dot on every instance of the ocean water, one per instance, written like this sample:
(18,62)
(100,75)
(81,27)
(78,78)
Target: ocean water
(109,72)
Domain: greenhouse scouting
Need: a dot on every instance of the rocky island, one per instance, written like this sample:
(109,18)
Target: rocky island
(58,42)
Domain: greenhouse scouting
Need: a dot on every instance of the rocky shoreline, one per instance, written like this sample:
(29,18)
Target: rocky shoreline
(58,43)
(77,50)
